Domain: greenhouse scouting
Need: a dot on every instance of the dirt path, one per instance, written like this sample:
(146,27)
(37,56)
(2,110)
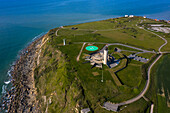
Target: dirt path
(78,57)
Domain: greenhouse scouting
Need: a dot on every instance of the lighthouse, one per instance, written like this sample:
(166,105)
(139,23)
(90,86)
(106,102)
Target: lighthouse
(105,56)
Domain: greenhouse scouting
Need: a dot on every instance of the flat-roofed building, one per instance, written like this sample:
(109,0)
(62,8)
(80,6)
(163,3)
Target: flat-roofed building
(111,107)
(126,15)
(86,110)
(131,16)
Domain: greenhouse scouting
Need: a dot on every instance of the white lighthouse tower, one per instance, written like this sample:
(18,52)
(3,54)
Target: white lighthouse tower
(64,42)
(105,56)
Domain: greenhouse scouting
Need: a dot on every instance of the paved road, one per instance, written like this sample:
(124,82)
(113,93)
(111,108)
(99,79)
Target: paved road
(152,106)
(146,86)
(56,33)
(148,74)
(149,69)
(156,35)
(108,44)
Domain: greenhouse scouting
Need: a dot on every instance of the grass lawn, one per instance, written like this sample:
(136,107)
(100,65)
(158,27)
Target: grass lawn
(95,90)
(143,39)
(139,106)
(116,80)
(166,47)
(63,79)
(162,106)
(66,32)
(130,76)
(121,65)
(127,53)
(146,55)
(98,25)
(112,47)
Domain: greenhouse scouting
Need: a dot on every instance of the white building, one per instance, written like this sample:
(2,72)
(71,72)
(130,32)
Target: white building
(61,27)
(131,16)
(86,110)
(111,107)
(144,16)
(126,15)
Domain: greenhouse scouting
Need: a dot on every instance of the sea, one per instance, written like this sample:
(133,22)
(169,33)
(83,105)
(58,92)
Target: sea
(22,21)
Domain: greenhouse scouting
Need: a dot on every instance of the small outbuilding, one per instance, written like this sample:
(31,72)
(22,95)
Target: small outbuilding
(131,16)
(126,16)
(111,107)
(86,110)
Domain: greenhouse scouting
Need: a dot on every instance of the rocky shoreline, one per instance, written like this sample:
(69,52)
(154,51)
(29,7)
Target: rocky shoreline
(22,96)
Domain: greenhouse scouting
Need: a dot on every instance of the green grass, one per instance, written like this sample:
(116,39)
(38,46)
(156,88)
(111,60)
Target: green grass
(66,32)
(95,90)
(166,47)
(53,78)
(130,76)
(61,78)
(116,56)
(112,47)
(162,106)
(156,84)
(139,106)
(116,80)
(98,25)
(162,82)
(127,53)
(146,55)
(144,39)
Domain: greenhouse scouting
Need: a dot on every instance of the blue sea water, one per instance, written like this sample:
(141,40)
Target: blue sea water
(22,20)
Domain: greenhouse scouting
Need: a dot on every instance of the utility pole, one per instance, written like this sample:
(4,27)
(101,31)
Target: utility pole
(64,42)
(102,75)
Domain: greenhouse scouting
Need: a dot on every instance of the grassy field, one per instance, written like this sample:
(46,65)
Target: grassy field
(132,77)
(99,92)
(162,81)
(112,47)
(140,107)
(162,106)
(157,92)
(73,85)
(121,30)
(146,55)
(98,25)
(167,47)
(115,78)
(165,35)
(143,39)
